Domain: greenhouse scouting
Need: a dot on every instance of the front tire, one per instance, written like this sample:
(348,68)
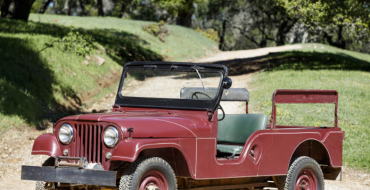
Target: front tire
(304,174)
(148,173)
(48,162)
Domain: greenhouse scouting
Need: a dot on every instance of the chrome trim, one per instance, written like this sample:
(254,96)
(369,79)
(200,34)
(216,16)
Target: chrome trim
(71,133)
(117,136)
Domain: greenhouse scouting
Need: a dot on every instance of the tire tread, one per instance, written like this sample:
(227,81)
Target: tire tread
(132,172)
(294,164)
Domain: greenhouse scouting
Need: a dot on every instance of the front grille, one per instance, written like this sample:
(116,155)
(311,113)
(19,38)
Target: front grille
(88,142)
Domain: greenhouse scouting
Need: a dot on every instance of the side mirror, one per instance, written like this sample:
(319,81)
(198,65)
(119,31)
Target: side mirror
(227,83)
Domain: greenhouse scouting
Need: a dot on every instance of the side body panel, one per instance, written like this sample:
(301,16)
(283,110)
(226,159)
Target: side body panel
(273,152)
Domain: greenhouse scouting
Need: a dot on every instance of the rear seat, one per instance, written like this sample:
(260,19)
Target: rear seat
(235,129)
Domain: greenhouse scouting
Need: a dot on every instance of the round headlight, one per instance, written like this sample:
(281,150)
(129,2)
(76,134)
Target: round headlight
(65,133)
(110,136)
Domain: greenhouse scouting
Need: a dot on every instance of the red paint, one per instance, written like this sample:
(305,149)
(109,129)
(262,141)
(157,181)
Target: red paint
(306,180)
(155,178)
(195,138)
(47,144)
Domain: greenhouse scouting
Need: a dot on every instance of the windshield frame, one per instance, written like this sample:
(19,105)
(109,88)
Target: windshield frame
(169,103)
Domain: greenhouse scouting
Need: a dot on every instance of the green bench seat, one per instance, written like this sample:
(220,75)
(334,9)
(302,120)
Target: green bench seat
(235,129)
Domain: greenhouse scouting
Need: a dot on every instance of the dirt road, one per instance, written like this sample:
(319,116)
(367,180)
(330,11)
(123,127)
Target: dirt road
(16,144)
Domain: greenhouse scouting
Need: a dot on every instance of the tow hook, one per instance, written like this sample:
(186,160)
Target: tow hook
(82,161)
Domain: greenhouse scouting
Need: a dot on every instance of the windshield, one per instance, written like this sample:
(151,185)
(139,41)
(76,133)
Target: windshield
(170,84)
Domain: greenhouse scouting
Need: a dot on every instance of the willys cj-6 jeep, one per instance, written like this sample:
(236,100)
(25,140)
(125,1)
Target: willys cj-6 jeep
(167,131)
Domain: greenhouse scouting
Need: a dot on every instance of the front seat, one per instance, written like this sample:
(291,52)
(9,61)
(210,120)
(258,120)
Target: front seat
(235,129)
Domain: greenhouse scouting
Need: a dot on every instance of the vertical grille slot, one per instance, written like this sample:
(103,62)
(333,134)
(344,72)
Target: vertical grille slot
(88,142)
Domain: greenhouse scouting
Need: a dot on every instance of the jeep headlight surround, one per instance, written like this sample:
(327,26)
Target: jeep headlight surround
(65,133)
(110,136)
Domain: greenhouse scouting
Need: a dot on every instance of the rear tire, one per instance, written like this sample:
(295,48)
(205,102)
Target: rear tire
(48,162)
(151,173)
(304,173)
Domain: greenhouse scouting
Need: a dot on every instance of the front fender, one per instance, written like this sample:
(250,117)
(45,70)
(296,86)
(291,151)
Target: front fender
(129,149)
(46,144)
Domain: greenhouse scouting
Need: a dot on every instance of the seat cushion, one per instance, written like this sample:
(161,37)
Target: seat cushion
(230,149)
(236,129)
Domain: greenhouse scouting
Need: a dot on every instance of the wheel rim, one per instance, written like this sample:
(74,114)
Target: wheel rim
(153,180)
(306,180)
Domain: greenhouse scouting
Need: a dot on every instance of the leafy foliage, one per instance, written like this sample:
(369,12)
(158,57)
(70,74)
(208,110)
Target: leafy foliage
(158,29)
(210,34)
(339,22)
(76,42)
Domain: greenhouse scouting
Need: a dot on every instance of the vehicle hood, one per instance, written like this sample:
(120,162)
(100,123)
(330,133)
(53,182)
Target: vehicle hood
(153,124)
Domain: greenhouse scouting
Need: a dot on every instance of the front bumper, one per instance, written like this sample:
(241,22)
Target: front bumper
(69,175)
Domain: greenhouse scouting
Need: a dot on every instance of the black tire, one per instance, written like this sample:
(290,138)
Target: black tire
(135,173)
(280,182)
(304,170)
(48,162)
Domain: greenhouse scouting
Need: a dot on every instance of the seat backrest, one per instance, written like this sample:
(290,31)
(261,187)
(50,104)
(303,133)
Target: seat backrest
(236,128)
(232,94)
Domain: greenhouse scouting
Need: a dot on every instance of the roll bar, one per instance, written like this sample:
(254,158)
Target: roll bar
(305,97)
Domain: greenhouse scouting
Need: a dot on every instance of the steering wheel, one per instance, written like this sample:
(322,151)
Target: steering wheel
(219,106)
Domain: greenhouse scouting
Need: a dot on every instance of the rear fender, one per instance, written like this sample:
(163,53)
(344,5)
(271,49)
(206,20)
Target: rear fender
(46,144)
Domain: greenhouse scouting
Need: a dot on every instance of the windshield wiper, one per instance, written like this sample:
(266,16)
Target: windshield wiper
(200,79)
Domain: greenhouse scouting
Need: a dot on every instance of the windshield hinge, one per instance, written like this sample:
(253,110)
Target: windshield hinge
(173,67)
(210,115)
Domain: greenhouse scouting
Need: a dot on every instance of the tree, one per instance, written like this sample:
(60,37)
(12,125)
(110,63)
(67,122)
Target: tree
(182,9)
(245,25)
(332,18)
(16,9)
(44,6)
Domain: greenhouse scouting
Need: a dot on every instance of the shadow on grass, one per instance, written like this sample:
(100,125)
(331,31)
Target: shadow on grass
(121,46)
(295,60)
(27,84)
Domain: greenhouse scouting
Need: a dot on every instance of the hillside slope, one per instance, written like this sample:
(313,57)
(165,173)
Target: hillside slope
(42,82)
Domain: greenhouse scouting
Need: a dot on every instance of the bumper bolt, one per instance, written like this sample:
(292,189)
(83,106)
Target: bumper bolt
(65,152)
(108,156)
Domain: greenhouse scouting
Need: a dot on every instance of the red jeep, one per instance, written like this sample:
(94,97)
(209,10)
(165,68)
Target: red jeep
(168,131)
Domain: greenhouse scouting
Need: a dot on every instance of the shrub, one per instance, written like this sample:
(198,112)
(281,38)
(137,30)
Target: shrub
(158,29)
(75,42)
(210,34)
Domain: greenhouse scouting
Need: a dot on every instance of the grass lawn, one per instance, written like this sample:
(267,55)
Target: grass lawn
(182,44)
(45,85)
(319,66)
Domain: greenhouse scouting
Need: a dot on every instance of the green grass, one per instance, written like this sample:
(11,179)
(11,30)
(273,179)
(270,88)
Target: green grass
(182,44)
(45,85)
(322,68)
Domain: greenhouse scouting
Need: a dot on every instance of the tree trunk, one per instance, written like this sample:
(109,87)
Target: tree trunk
(67,7)
(222,35)
(44,6)
(100,8)
(185,14)
(123,8)
(280,35)
(16,9)
(283,30)
(56,7)
(340,43)
(82,6)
